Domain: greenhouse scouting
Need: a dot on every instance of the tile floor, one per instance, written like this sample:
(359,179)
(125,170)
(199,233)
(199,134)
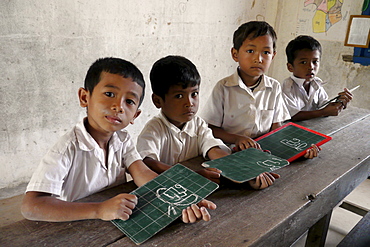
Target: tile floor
(342,221)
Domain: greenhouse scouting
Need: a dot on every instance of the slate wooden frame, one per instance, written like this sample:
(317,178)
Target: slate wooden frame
(352,26)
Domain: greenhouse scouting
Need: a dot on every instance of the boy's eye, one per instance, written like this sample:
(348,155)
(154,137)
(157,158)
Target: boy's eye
(109,94)
(249,51)
(130,102)
(179,96)
(316,62)
(267,52)
(194,94)
(303,62)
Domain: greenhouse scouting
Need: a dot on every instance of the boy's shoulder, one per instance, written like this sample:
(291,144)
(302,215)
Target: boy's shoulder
(230,80)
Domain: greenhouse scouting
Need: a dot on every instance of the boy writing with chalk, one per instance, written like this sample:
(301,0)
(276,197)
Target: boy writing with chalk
(96,153)
(248,103)
(177,133)
(303,93)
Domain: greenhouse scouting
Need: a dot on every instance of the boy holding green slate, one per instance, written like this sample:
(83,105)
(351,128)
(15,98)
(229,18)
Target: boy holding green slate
(177,134)
(96,153)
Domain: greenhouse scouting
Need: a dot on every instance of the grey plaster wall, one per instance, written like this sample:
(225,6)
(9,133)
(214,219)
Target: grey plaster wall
(46,47)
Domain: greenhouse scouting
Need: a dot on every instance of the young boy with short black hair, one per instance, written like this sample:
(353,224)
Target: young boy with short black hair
(177,133)
(303,93)
(96,153)
(248,103)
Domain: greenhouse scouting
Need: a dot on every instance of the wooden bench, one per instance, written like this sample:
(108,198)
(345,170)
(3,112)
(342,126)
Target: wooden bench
(359,236)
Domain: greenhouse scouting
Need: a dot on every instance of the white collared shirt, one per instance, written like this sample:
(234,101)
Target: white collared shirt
(235,108)
(163,141)
(296,97)
(75,166)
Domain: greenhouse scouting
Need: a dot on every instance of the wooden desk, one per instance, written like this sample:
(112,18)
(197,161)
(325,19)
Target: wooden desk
(306,192)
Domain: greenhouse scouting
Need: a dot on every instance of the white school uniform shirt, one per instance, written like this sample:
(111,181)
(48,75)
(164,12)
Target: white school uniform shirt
(75,166)
(296,97)
(163,141)
(235,108)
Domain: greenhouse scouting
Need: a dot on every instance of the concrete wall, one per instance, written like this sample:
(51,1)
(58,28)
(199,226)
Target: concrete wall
(46,47)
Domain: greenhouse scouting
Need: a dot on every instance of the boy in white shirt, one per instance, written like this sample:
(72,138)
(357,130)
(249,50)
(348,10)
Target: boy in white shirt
(177,133)
(96,153)
(303,93)
(248,103)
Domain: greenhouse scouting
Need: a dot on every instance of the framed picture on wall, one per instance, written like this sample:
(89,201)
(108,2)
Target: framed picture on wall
(358,32)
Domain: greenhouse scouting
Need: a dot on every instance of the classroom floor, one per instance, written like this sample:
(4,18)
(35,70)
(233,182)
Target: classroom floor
(342,221)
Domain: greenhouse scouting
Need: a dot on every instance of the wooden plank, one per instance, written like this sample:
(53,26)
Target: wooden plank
(329,125)
(354,208)
(77,233)
(317,234)
(359,236)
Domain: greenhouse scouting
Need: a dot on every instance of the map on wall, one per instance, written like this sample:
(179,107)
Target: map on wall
(324,19)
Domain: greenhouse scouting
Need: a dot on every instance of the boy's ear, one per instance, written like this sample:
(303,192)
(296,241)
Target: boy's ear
(234,54)
(138,112)
(83,95)
(157,101)
(290,67)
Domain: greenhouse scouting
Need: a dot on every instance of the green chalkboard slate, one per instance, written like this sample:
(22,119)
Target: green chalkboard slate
(291,141)
(161,201)
(246,164)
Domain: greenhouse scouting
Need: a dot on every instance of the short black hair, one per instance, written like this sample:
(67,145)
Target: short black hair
(170,71)
(299,43)
(252,30)
(113,65)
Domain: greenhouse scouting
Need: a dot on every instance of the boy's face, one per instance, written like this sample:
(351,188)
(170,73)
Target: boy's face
(112,105)
(306,64)
(180,105)
(254,57)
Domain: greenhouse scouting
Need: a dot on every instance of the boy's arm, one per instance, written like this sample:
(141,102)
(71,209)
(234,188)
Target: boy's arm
(141,173)
(241,142)
(216,152)
(156,165)
(332,109)
(43,207)
(274,126)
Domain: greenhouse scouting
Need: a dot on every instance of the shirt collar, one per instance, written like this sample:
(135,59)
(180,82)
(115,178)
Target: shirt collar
(236,80)
(314,83)
(189,127)
(87,143)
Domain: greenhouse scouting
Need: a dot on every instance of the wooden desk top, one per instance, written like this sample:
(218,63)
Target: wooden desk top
(276,216)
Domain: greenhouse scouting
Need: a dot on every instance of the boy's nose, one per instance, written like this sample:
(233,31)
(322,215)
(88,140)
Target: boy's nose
(258,58)
(189,102)
(117,107)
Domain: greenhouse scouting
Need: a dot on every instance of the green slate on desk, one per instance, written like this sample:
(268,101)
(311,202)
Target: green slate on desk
(161,201)
(246,164)
(291,141)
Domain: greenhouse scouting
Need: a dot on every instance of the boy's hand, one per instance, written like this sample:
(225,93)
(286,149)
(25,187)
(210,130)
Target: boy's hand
(118,207)
(212,174)
(333,109)
(263,180)
(345,97)
(244,142)
(198,211)
(312,152)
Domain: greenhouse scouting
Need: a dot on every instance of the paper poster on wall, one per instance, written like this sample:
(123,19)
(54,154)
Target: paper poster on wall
(323,19)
